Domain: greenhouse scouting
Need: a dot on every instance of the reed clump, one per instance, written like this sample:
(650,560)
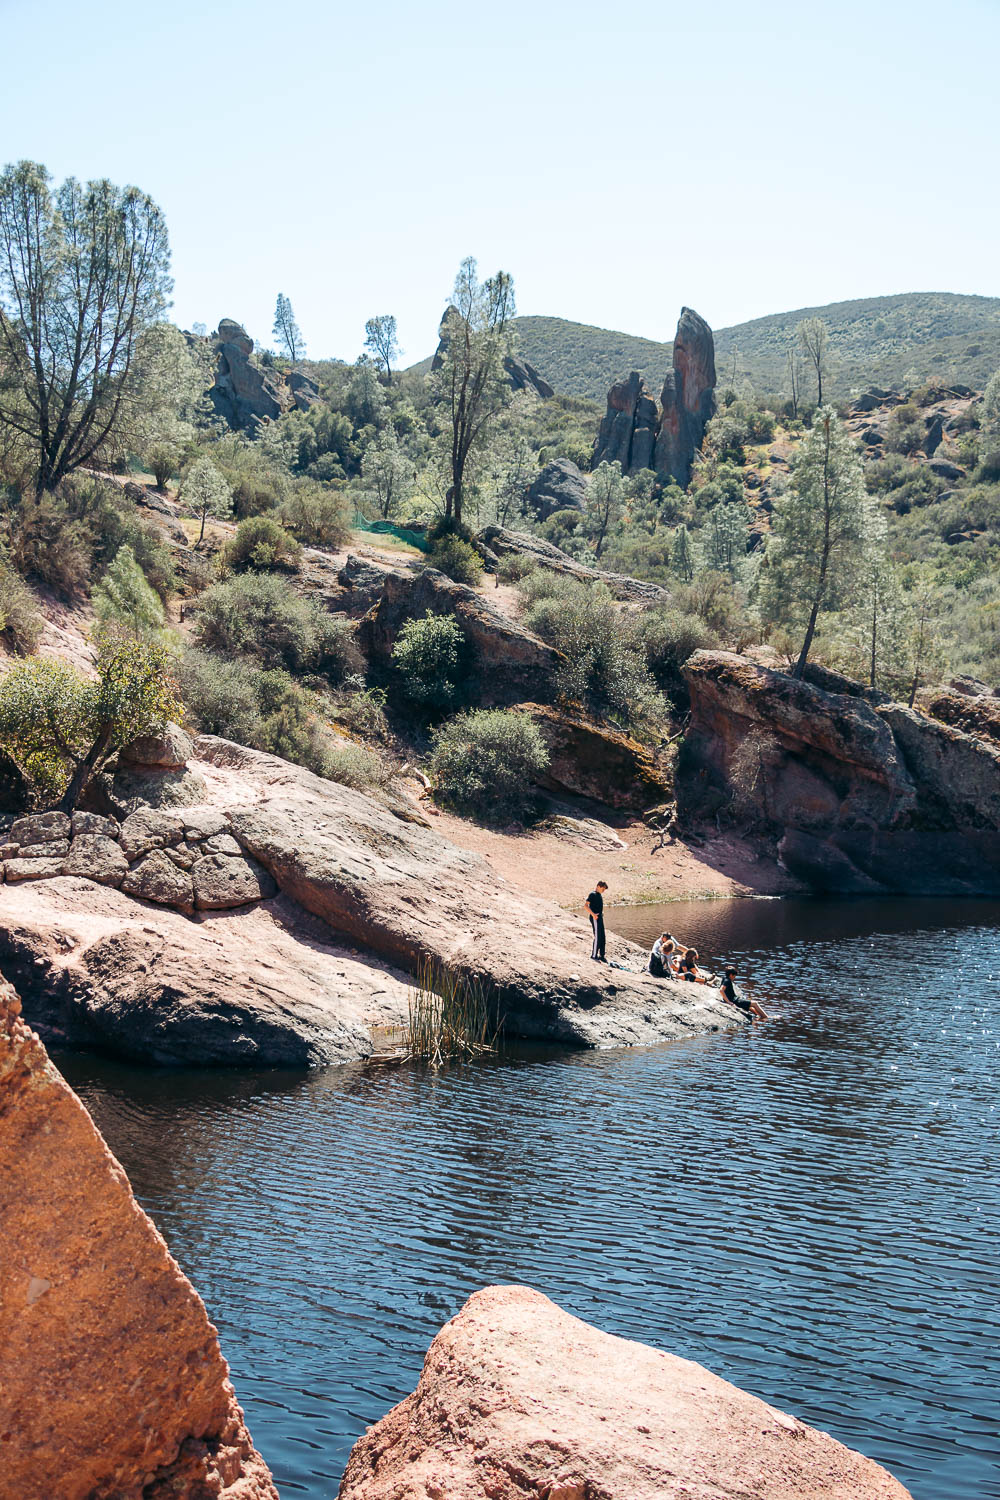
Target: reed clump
(450,1015)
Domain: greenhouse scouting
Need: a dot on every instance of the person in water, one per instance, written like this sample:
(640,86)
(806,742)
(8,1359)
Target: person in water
(736,997)
(594,907)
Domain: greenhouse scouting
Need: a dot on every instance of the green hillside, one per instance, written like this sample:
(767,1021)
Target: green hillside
(901,340)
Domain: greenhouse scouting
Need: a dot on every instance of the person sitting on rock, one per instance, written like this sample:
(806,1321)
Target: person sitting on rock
(689,967)
(736,997)
(662,963)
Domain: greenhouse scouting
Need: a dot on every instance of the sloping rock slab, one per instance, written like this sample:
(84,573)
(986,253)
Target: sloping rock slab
(504,542)
(520,1401)
(407,894)
(112,1378)
(258,988)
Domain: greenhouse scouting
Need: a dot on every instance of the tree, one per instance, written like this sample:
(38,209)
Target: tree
(605,502)
(682,556)
(380,340)
(471,381)
(877,599)
(812,337)
(989,422)
(84,280)
(364,397)
(818,527)
(123,597)
(726,536)
(428,655)
(923,644)
(387,476)
(286,330)
(794,379)
(61,729)
(206,492)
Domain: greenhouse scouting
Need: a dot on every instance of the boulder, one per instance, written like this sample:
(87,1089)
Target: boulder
(559,486)
(157,878)
(305,390)
(220,881)
(242,393)
(40,828)
(946,470)
(934,435)
(362,581)
(266,986)
(235,335)
(592,760)
(112,1377)
(168,750)
(151,828)
(31,869)
(86,822)
(505,661)
(404,893)
(517,1398)
(98,858)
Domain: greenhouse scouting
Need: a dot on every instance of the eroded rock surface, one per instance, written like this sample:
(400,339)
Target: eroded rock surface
(518,1400)
(592,760)
(862,794)
(112,1382)
(501,541)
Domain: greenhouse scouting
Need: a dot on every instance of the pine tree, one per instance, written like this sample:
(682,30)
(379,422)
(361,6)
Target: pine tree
(206,492)
(286,330)
(123,597)
(682,556)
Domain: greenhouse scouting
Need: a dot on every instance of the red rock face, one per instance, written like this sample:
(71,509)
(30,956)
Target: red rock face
(112,1384)
(517,1399)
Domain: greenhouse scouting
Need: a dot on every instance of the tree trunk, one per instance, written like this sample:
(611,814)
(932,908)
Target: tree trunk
(85,770)
(800,665)
(201,533)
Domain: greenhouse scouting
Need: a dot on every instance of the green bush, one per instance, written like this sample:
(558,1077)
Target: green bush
(605,663)
(21,621)
(354,766)
(221,697)
(123,597)
(317,515)
(485,763)
(258,616)
(669,638)
(261,544)
(457,559)
(50,544)
(427,656)
(515,567)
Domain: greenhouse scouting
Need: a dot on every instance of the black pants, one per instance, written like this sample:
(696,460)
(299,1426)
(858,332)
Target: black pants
(597,923)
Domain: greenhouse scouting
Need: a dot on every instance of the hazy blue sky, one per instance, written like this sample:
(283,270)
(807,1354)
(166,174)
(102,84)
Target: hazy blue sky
(619,161)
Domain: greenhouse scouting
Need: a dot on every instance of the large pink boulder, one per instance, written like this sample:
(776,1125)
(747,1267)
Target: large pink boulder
(520,1401)
(112,1384)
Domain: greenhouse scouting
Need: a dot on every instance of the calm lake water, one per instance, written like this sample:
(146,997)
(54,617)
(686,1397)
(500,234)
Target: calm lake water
(809,1208)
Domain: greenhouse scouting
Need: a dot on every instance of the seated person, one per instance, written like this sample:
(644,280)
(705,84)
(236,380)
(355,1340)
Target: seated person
(661,958)
(736,997)
(689,967)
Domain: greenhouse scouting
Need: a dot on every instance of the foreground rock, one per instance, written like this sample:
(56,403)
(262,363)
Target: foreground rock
(860,794)
(112,1380)
(518,1401)
(269,987)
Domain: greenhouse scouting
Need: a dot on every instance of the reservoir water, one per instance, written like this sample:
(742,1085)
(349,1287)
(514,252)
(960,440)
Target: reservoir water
(809,1208)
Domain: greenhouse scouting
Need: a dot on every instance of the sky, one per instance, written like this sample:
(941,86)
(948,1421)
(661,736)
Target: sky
(618,161)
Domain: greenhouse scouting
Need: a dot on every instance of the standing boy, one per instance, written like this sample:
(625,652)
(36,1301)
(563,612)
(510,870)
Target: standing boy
(595,910)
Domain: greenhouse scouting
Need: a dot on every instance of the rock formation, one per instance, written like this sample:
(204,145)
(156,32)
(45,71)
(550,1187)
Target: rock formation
(638,435)
(500,541)
(559,486)
(862,794)
(112,1382)
(242,393)
(522,376)
(596,761)
(519,1399)
(193,959)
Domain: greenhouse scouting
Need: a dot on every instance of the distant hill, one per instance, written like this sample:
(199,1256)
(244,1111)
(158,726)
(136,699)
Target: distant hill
(885,341)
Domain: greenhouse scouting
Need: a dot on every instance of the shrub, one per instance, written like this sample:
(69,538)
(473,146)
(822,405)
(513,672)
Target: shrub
(49,543)
(485,763)
(605,663)
(362,710)
(457,559)
(317,515)
(123,597)
(162,460)
(515,567)
(21,622)
(257,615)
(221,696)
(354,766)
(669,638)
(428,654)
(261,543)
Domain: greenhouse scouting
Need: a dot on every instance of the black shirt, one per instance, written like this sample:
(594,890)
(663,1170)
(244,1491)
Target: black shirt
(596,903)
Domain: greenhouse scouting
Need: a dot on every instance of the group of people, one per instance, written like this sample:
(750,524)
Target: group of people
(670,959)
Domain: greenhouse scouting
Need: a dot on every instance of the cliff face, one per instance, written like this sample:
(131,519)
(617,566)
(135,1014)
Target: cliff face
(112,1383)
(638,435)
(861,794)
(519,1399)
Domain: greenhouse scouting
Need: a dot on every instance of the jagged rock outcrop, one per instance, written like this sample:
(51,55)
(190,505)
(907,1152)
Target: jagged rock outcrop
(518,1399)
(112,1382)
(595,761)
(507,662)
(639,435)
(500,541)
(559,486)
(522,376)
(242,393)
(861,793)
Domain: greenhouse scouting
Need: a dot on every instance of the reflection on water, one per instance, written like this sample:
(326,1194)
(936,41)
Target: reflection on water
(809,1207)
